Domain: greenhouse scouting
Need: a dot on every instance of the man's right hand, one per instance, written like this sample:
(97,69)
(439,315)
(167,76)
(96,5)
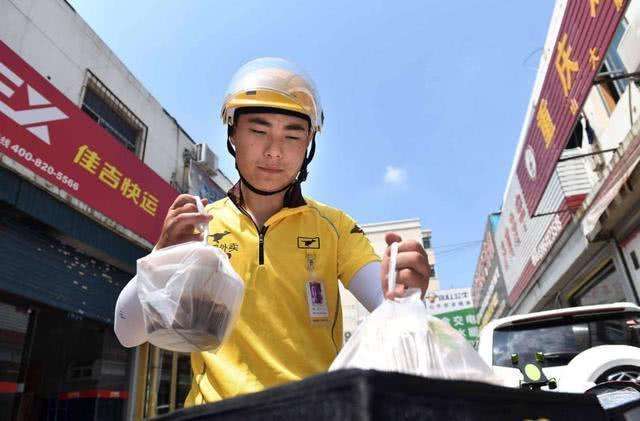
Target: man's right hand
(181,220)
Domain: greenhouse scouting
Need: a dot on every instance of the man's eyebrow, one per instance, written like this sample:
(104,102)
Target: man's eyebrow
(296,126)
(258,120)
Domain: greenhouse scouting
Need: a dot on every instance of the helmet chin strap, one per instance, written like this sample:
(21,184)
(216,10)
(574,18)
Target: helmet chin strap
(302,174)
(257,190)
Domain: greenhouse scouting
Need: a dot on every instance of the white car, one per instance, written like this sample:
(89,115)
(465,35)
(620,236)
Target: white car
(582,346)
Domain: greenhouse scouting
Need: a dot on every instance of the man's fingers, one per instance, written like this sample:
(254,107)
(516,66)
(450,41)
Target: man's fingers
(407,277)
(184,219)
(409,245)
(186,208)
(412,266)
(182,200)
(194,237)
(397,292)
(413,260)
(392,237)
(410,278)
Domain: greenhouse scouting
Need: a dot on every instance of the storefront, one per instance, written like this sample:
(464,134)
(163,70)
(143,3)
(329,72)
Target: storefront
(78,207)
(59,357)
(90,162)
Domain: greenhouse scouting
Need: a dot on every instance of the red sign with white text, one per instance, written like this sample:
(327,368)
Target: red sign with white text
(44,131)
(585,34)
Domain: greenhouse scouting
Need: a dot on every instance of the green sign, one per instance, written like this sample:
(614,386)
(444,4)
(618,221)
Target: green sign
(464,321)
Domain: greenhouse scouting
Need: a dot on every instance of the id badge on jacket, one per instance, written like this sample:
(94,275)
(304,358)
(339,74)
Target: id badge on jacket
(316,293)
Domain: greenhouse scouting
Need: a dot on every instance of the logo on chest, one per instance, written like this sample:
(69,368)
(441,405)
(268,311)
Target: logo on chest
(308,242)
(228,247)
(218,236)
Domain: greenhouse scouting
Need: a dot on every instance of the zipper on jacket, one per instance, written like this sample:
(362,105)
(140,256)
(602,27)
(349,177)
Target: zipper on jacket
(261,234)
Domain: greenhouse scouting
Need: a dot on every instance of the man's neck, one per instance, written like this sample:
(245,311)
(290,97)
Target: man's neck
(261,207)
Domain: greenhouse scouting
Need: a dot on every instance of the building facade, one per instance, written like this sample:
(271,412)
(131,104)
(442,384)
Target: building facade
(89,164)
(567,230)
(488,290)
(408,229)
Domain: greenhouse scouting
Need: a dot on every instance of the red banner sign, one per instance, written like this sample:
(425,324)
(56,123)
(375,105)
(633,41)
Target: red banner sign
(44,131)
(585,34)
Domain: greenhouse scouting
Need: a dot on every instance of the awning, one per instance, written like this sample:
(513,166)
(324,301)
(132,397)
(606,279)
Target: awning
(601,207)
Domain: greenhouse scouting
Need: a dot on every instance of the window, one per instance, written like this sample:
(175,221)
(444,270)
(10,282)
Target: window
(108,111)
(612,64)
(426,242)
(168,381)
(39,355)
(14,343)
(433,271)
(575,140)
(604,287)
(560,341)
(613,60)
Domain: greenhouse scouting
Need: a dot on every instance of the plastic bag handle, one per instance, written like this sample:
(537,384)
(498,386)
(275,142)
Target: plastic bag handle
(391,285)
(203,227)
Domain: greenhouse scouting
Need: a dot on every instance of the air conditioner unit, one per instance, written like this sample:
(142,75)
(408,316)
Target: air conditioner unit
(206,159)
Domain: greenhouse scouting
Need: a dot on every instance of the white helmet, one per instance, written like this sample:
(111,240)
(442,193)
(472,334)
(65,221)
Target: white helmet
(272,82)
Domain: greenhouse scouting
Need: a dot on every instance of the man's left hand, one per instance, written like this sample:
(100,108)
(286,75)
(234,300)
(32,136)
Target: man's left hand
(412,266)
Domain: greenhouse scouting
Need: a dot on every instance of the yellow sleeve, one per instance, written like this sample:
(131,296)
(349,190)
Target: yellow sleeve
(354,249)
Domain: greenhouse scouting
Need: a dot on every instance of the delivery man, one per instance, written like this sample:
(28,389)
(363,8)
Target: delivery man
(290,250)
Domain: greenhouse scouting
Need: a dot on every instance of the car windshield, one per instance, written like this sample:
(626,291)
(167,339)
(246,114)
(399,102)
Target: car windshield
(561,340)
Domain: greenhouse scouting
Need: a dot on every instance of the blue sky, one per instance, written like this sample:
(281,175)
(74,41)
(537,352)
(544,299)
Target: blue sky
(423,100)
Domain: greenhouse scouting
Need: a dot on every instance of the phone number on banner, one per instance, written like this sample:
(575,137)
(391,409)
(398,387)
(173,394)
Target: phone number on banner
(45,167)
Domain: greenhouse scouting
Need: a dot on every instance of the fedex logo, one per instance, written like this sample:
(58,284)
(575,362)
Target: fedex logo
(35,114)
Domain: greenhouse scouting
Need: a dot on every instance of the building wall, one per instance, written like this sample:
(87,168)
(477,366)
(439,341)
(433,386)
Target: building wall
(566,263)
(55,41)
(409,229)
(58,43)
(488,290)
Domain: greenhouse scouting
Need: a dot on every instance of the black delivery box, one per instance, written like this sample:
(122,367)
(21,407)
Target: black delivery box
(372,395)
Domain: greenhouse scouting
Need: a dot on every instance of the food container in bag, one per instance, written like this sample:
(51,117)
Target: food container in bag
(190,296)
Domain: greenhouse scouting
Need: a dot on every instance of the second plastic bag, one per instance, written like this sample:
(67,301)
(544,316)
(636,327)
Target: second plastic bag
(400,336)
(190,296)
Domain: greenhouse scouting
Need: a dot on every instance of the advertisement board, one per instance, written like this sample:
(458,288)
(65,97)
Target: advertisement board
(489,290)
(523,242)
(42,130)
(586,31)
(455,307)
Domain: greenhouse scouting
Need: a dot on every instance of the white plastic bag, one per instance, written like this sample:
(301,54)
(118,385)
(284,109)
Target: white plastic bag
(401,336)
(190,295)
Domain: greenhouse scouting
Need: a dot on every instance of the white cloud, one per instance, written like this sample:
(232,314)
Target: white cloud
(395,175)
